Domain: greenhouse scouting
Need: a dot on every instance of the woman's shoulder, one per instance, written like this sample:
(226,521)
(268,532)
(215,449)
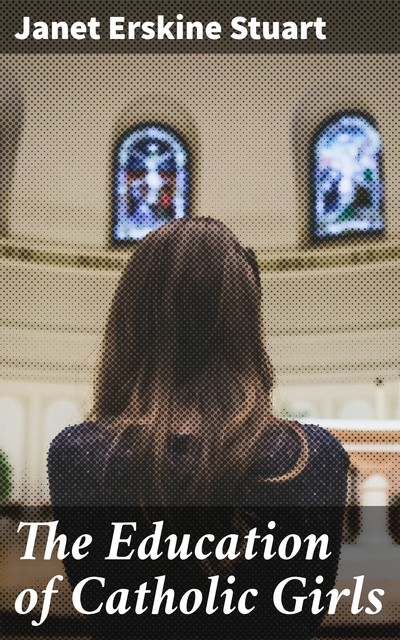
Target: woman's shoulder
(321,477)
(285,439)
(79,435)
(75,460)
(83,441)
(324,445)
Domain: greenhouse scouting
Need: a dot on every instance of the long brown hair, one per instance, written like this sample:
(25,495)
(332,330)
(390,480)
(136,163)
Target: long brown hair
(183,354)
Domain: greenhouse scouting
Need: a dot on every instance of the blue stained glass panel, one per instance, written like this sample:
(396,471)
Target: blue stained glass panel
(151,182)
(348,186)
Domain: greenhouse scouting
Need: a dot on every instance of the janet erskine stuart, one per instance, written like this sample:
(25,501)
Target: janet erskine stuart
(120,28)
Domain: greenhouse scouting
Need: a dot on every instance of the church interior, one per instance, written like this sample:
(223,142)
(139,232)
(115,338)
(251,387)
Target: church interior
(261,142)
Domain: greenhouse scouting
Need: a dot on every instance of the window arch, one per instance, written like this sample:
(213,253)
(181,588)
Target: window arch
(151,181)
(347,181)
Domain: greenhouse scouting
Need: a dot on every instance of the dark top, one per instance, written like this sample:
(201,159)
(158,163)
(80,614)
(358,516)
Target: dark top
(86,500)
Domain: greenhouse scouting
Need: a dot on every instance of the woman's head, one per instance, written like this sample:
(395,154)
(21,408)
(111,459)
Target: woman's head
(183,355)
(185,316)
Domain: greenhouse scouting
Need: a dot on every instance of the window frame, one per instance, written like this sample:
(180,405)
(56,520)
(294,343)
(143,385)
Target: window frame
(129,242)
(350,235)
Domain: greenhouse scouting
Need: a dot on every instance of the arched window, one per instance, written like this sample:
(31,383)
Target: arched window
(347,177)
(151,181)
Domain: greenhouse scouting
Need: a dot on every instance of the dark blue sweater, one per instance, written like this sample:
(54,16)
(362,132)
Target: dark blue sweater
(92,485)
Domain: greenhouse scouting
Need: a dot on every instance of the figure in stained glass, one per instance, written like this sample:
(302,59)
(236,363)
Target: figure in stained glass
(347,177)
(151,181)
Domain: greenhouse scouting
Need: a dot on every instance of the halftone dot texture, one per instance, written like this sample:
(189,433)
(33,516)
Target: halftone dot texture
(329,310)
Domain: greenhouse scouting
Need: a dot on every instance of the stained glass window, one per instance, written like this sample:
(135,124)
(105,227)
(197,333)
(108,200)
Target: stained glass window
(151,181)
(347,177)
